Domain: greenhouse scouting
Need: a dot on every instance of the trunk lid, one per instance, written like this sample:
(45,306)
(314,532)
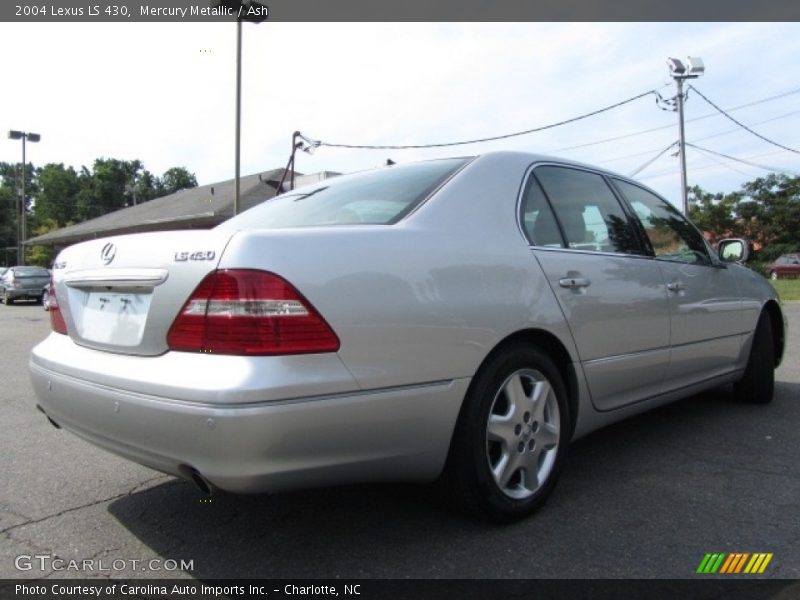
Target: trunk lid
(121,294)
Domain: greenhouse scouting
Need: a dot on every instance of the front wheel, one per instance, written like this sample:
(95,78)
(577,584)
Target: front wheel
(757,385)
(511,435)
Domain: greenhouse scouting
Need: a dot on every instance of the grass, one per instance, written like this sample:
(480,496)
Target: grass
(788,289)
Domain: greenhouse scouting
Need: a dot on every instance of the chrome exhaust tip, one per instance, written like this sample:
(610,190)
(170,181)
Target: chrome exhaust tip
(200,482)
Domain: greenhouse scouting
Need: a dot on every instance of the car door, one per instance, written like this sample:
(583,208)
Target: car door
(612,296)
(706,331)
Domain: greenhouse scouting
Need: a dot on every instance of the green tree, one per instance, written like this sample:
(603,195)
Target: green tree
(8,225)
(774,209)
(147,187)
(104,188)
(766,212)
(58,193)
(715,214)
(10,190)
(42,255)
(177,178)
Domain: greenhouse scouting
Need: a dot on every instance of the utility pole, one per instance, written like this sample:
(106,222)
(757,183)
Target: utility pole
(679,71)
(682,149)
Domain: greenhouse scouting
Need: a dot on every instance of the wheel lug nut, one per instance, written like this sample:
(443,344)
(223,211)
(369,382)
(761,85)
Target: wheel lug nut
(527,417)
(521,447)
(517,429)
(531,445)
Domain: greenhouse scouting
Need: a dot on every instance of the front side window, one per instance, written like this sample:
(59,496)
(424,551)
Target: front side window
(672,237)
(588,213)
(382,196)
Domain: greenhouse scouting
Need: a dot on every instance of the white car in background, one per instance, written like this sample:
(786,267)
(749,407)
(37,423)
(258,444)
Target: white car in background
(462,318)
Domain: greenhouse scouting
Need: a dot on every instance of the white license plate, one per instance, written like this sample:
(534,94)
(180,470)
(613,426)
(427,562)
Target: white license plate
(112,318)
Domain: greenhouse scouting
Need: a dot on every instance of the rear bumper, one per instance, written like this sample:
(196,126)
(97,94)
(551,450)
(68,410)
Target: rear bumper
(400,433)
(17,294)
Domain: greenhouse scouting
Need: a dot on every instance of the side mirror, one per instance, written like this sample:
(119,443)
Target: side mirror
(733,250)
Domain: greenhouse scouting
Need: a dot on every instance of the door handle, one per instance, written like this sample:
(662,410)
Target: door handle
(574,282)
(676,286)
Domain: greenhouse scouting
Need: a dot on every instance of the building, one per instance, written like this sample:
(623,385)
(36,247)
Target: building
(201,207)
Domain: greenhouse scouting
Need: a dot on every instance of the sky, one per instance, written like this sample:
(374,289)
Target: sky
(164,93)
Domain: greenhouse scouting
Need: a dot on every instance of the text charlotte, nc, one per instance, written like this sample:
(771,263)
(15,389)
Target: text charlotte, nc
(253,10)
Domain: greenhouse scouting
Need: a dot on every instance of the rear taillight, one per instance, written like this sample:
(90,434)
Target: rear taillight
(56,318)
(243,311)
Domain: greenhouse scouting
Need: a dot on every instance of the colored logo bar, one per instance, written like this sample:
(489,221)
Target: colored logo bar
(732,563)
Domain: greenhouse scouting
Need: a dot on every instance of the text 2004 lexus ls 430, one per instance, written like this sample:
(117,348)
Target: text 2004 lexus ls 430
(461,318)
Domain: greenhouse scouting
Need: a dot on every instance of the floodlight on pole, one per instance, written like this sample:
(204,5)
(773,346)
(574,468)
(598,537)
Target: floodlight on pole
(678,70)
(21,223)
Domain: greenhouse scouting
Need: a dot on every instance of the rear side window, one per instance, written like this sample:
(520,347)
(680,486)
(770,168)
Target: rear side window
(588,212)
(537,217)
(383,196)
(27,272)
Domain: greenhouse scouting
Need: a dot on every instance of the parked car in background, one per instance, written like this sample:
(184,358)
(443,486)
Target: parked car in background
(787,265)
(463,318)
(23,283)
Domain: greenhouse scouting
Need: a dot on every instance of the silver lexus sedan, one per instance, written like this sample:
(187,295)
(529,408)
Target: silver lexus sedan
(462,319)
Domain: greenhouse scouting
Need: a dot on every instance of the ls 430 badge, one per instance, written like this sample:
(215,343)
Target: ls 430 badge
(197,255)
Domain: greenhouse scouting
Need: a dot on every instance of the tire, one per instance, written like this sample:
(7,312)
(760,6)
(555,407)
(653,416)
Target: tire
(773,275)
(757,385)
(7,299)
(511,436)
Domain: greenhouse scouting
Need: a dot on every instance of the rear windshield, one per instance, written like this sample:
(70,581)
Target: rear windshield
(23,272)
(383,196)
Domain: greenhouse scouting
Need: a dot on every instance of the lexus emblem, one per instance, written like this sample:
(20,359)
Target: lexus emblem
(108,253)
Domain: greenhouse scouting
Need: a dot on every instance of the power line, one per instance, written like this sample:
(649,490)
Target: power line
(726,164)
(742,125)
(707,137)
(721,133)
(317,143)
(652,160)
(701,168)
(662,127)
(741,160)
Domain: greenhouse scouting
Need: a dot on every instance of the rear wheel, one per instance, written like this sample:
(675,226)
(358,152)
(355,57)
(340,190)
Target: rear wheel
(7,299)
(511,436)
(757,385)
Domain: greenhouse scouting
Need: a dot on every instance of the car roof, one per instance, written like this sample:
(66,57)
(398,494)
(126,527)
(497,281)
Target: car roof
(533,157)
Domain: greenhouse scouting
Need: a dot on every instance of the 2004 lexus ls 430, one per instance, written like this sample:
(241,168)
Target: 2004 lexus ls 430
(464,318)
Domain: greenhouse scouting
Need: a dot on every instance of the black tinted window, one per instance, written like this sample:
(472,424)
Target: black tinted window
(671,235)
(537,217)
(590,216)
(382,196)
(23,272)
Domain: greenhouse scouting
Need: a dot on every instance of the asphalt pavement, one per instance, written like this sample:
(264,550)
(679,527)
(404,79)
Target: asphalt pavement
(645,498)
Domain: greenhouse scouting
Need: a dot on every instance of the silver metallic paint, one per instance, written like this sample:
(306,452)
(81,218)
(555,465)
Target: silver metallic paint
(417,306)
